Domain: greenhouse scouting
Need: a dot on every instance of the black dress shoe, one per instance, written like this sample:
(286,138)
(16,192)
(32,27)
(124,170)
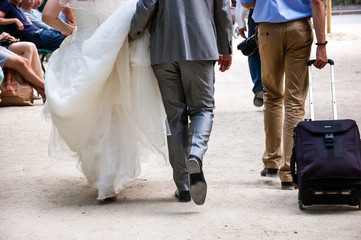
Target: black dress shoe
(288,185)
(198,186)
(269,172)
(183,196)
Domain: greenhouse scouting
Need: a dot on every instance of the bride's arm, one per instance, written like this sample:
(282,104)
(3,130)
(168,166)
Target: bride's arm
(50,16)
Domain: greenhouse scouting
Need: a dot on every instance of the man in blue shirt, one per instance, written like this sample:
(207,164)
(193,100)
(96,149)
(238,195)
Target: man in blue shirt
(20,27)
(284,40)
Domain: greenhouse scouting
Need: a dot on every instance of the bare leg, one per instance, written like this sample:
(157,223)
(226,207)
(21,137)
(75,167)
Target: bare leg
(29,51)
(22,65)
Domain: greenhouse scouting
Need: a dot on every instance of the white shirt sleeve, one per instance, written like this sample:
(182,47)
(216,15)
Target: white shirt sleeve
(241,14)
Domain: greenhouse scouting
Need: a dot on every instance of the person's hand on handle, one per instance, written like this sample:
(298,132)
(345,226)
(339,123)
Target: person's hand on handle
(318,15)
(321,57)
(224,62)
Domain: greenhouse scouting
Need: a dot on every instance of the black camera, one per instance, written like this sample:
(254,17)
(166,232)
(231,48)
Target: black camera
(8,41)
(248,46)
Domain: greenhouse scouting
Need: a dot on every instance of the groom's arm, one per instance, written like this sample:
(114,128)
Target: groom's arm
(224,28)
(141,18)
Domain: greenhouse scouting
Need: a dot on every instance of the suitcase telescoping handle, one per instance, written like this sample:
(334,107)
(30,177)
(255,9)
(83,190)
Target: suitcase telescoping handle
(334,106)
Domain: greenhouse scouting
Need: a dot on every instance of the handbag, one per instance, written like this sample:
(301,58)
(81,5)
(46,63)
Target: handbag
(14,90)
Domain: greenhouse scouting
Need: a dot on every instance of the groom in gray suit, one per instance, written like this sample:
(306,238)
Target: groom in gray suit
(187,38)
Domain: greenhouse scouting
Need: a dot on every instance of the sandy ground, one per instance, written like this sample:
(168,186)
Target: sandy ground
(42,198)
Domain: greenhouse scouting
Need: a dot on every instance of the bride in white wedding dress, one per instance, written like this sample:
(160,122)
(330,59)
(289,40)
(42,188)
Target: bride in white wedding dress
(102,96)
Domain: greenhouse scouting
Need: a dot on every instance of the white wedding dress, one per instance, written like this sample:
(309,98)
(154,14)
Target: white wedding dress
(103,98)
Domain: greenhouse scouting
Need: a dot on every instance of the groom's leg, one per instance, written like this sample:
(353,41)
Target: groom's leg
(171,88)
(198,82)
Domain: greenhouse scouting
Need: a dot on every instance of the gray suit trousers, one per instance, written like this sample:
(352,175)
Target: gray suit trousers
(187,90)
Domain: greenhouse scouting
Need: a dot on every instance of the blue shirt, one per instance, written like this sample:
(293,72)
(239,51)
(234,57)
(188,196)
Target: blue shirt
(276,11)
(11,11)
(35,17)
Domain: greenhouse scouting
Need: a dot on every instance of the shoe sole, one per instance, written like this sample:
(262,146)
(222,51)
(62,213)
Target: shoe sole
(108,199)
(272,175)
(257,102)
(197,191)
(288,187)
(184,200)
(176,195)
(258,99)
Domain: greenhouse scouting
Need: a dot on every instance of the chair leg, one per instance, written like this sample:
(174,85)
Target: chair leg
(42,60)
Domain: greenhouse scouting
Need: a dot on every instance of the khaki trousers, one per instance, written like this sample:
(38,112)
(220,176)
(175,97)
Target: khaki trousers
(284,49)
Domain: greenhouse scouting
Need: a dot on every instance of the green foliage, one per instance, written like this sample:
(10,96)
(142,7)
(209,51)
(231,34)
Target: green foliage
(42,6)
(345,2)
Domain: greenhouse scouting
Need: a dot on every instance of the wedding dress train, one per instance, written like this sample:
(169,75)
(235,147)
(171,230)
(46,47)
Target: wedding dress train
(103,98)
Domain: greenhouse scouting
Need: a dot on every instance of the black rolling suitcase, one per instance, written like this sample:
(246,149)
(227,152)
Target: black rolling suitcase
(326,159)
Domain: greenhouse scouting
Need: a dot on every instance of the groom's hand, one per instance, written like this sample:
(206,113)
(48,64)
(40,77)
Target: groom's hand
(224,62)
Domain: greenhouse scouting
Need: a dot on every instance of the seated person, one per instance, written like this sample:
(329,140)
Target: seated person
(33,14)
(37,4)
(23,57)
(21,27)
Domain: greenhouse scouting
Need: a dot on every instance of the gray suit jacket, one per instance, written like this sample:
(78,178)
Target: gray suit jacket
(184,29)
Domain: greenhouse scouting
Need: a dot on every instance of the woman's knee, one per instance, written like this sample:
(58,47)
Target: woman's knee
(23,48)
(33,47)
(21,64)
(30,48)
